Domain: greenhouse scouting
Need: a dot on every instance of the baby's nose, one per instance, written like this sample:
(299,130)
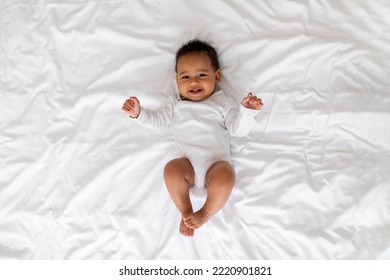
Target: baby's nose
(194,80)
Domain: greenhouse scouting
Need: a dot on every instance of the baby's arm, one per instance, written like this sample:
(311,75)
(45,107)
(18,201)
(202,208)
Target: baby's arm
(149,118)
(240,121)
(132,107)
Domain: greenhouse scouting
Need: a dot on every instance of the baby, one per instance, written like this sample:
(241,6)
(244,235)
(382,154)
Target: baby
(202,117)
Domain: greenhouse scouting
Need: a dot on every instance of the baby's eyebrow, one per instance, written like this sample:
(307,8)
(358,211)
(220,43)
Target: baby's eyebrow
(198,70)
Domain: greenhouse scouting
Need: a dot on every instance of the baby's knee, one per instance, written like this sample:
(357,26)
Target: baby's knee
(228,177)
(178,169)
(171,169)
(222,174)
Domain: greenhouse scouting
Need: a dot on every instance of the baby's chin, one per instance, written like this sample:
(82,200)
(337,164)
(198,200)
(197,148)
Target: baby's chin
(195,97)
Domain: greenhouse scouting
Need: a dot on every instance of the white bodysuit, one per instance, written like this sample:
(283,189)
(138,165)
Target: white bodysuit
(202,129)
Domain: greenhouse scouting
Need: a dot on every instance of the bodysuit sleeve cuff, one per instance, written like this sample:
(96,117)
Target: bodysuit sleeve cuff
(143,116)
(244,123)
(248,113)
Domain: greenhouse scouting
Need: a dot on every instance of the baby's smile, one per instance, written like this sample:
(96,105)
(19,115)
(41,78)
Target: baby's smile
(195,90)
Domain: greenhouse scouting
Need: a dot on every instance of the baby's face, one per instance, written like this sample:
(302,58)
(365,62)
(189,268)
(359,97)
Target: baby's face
(196,78)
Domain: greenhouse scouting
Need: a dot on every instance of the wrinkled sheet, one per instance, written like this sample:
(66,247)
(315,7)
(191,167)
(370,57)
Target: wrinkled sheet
(80,180)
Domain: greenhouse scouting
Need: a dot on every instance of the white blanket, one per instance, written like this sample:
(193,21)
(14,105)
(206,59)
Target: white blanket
(80,180)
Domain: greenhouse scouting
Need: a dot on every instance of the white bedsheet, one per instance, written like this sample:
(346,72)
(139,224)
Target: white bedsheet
(80,180)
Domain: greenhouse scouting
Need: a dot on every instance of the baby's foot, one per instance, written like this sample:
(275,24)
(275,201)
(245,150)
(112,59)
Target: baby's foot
(184,230)
(197,219)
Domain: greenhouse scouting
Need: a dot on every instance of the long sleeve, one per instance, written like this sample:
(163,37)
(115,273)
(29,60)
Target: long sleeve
(239,122)
(155,118)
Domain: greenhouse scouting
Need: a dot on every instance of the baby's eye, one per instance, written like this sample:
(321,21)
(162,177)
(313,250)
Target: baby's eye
(201,75)
(185,77)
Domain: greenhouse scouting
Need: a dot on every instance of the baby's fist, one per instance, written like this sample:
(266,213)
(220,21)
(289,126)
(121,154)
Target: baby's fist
(132,107)
(252,102)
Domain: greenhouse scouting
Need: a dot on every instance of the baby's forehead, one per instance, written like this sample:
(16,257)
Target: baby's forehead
(194,60)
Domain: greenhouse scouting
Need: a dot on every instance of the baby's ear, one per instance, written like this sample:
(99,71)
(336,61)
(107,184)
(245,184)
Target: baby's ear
(217,75)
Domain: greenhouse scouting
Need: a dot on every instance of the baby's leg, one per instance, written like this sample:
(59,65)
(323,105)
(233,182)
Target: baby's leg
(220,179)
(179,177)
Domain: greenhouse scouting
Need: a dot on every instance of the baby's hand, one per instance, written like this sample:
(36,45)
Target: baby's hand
(132,107)
(252,102)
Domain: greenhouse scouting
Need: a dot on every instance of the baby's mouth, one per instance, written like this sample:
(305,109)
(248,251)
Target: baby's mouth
(195,90)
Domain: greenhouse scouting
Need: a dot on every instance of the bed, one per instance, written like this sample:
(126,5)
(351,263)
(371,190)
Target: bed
(80,180)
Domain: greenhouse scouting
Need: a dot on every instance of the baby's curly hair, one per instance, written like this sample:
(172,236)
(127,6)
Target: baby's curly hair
(198,46)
